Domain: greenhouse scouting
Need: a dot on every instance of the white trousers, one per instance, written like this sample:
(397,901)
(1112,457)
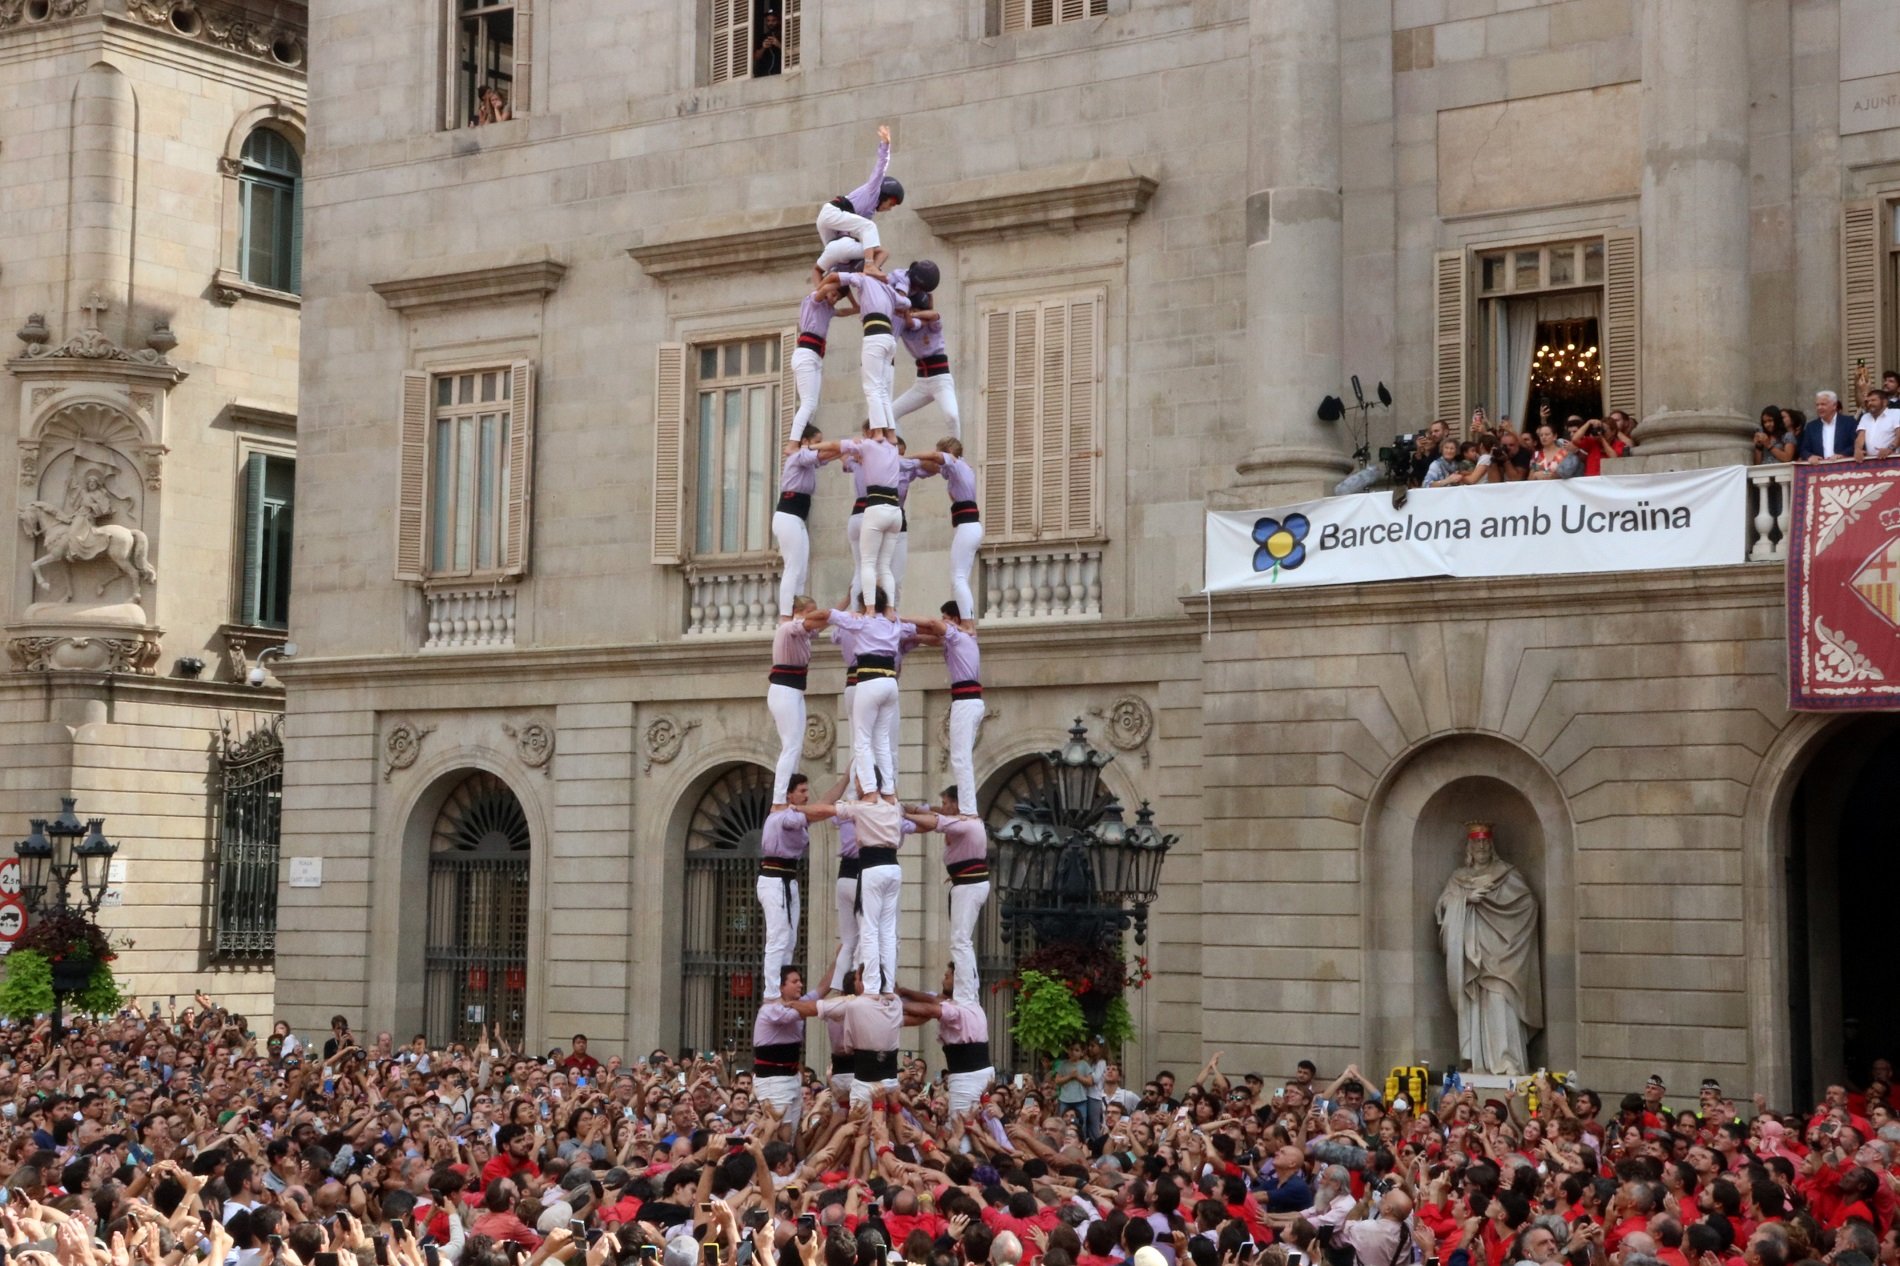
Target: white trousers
(847,898)
(841,1087)
(808,376)
(968,1089)
(850,701)
(783,1093)
(873,734)
(877,552)
(876,363)
(965,716)
(779,899)
(900,557)
(966,906)
(835,225)
(852,526)
(937,387)
(787,706)
(794,551)
(877,931)
(861,1091)
(965,540)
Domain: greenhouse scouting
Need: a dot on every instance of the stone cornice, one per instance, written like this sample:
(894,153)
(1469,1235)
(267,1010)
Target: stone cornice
(474,286)
(1100,194)
(755,241)
(676,662)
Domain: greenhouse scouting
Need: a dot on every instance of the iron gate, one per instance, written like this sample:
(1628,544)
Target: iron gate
(996,954)
(723,949)
(477,956)
(250,815)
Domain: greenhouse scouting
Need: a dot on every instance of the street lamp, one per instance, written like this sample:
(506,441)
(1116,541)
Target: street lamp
(50,856)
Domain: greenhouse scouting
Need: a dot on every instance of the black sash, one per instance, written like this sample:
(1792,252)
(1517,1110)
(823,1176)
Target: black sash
(963,512)
(880,495)
(934,365)
(848,867)
(975,871)
(792,675)
(876,323)
(966,1057)
(795,503)
(811,342)
(841,1063)
(874,1065)
(778,1059)
(870,855)
(966,690)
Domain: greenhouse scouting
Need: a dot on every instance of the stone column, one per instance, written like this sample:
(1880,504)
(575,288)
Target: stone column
(104,140)
(1695,279)
(1295,304)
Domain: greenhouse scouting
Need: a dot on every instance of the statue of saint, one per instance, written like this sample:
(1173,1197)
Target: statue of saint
(1487,922)
(75,531)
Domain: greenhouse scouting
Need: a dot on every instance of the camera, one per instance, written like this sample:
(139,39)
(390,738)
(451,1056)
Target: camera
(1401,459)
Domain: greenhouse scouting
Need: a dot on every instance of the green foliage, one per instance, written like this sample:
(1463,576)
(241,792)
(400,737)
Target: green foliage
(1048,1017)
(1118,1026)
(99,996)
(26,988)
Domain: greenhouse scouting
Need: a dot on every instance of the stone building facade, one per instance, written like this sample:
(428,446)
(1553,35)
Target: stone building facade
(150,159)
(546,364)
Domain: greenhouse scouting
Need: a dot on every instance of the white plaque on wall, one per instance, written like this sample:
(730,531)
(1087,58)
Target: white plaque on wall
(306,872)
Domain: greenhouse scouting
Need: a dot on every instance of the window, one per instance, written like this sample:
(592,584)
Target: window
(466,473)
(1042,389)
(270,202)
(269,490)
(1024,15)
(736,445)
(753,39)
(250,780)
(722,937)
(488,62)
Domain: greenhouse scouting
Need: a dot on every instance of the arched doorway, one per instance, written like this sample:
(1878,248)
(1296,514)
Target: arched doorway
(1842,1014)
(722,949)
(476,956)
(997,954)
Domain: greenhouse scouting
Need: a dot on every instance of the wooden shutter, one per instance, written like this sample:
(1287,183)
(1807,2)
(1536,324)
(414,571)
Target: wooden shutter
(669,476)
(519,525)
(1861,298)
(1020,468)
(1622,323)
(251,606)
(1074,10)
(1015,15)
(791,30)
(521,99)
(731,40)
(1098,8)
(412,489)
(1448,337)
(1052,419)
(787,386)
(994,404)
(1081,447)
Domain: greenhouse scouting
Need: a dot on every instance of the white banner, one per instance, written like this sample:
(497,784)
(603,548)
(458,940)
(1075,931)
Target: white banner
(1545,527)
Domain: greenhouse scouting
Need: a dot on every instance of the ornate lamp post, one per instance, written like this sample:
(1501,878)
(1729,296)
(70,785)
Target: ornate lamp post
(50,856)
(1067,864)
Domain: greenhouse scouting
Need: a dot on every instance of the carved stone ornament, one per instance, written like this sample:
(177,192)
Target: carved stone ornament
(91,343)
(664,738)
(534,745)
(943,734)
(13,12)
(1131,722)
(403,745)
(230,166)
(222,27)
(820,736)
(43,654)
(29,463)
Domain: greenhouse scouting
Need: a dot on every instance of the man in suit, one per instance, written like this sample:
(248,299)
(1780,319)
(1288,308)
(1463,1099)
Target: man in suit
(1829,435)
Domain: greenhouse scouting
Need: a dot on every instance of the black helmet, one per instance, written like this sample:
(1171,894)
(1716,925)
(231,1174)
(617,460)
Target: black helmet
(923,276)
(920,301)
(892,188)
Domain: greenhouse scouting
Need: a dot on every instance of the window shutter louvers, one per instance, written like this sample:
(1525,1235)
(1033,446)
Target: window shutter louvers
(787,384)
(519,525)
(1448,334)
(1860,291)
(995,409)
(1025,355)
(412,492)
(1622,323)
(1074,10)
(669,423)
(1015,15)
(791,30)
(252,593)
(1084,438)
(1052,420)
(731,40)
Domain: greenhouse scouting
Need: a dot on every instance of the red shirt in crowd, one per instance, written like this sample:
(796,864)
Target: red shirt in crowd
(506,1166)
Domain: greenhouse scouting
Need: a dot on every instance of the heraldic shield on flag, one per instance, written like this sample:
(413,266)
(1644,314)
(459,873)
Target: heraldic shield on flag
(1844,587)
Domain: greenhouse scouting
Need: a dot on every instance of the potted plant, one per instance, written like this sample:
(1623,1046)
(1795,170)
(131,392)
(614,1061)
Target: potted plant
(1068,990)
(62,954)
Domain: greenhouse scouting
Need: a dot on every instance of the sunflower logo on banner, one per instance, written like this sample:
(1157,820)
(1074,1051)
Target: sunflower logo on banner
(1281,543)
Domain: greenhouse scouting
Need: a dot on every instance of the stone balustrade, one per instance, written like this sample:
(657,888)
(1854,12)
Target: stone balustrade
(469,618)
(1770,505)
(738,598)
(1038,582)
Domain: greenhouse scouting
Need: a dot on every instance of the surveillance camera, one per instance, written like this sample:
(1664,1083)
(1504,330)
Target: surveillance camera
(256,677)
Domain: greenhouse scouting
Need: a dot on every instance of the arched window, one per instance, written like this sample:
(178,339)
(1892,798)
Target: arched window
(476,969)
(722,954)
(270,197)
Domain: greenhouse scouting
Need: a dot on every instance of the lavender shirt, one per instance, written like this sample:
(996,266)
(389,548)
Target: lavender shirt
(877,635)
(879,461)
(909,471)
(847,838)
(874,297)
(786,834)
(856,470)
(865,197)
(964,840)
(791,645)
(961,658)
(925,340)
(779,1025)
(960,479)
(834,1025)
(814,315)
(958,1024)
(800,472)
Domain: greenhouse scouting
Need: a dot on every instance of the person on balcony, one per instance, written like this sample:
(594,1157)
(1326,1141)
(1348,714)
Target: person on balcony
(1830,436)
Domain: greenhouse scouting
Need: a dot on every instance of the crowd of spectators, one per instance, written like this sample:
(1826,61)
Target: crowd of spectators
(161,1137)
(1834,434)
(1498,453)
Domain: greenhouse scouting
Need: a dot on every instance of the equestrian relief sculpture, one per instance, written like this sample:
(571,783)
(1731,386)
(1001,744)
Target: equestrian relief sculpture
(77,531)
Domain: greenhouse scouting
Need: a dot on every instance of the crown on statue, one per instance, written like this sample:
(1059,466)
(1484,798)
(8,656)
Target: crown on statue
(1890,519)
(1477,831)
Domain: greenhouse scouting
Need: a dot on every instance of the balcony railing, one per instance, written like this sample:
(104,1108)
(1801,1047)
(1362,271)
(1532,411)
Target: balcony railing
(1770,496)
(738,598)
(469,618)
(1040,582)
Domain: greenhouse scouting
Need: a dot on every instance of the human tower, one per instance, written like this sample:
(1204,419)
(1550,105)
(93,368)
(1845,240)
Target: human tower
(859,998)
